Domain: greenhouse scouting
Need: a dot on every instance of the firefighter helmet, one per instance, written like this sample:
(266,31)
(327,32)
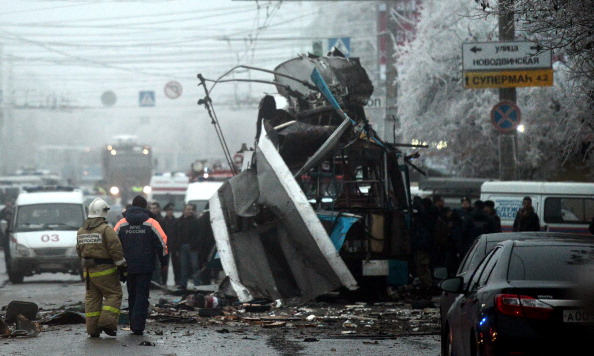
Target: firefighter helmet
(98,208)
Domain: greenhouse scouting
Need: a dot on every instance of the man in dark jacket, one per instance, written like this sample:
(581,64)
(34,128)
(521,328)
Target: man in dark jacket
(526,218)
(187,232)
(142,240)
(168,225)
(160,274)
(206,247)
(492,214)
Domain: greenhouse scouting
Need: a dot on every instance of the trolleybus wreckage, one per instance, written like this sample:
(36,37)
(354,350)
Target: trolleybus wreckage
(321,204)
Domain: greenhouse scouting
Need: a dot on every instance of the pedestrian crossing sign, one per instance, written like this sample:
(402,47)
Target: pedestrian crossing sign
(146,98)
(343,44)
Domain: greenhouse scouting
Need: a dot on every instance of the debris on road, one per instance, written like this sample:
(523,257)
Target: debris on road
(16,307)
(361,319)
(67,317)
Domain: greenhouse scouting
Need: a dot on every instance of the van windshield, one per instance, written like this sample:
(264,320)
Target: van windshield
(200,204)
(53,216)
(176,199)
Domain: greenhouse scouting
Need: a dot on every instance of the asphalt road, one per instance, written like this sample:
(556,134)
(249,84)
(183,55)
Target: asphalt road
(54,292)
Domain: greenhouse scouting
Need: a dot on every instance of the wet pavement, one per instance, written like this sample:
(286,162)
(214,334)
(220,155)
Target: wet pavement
(175,327)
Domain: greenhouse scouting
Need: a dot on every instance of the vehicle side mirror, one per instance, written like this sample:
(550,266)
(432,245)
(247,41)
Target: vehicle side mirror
(452,285)
(3,226)
(440,273)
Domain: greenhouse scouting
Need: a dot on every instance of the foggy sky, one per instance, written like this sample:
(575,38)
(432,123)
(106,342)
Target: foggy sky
(68,53)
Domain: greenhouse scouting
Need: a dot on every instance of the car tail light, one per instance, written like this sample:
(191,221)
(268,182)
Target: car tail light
(522,306)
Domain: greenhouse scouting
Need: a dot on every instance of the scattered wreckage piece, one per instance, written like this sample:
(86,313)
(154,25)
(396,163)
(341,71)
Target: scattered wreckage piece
(16,307)
(64,318)
(22,314)
(4,329)
(31,328)
(23,327)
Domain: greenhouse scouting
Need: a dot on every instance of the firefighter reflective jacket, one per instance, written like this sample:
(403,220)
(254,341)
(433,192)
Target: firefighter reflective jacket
(97,240)
(142,239)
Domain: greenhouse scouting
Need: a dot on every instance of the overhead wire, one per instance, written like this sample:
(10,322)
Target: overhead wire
(148,63)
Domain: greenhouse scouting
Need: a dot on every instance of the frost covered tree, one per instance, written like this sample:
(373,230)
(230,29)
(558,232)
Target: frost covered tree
(566,26)
(435,108)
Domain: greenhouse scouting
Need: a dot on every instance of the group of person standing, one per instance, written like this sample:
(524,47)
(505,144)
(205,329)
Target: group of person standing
(442,235)
(190,244)
(129,253)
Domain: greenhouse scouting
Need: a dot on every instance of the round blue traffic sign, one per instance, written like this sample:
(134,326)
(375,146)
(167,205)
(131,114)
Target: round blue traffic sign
(506,116)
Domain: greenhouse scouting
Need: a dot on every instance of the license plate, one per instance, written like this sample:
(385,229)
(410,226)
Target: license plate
(577,316)
(52,266)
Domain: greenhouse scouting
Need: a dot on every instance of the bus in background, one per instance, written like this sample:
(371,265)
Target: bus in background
(127,168)
(168,188)
(561,206)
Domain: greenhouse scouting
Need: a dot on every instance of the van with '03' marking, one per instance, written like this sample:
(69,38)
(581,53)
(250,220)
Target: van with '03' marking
(43,232)
(561,206)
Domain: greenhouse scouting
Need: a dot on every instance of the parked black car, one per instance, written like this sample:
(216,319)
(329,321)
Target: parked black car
(520,301)
(477,251)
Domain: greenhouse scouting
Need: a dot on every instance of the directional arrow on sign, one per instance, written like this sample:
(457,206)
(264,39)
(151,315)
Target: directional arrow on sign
(476,49)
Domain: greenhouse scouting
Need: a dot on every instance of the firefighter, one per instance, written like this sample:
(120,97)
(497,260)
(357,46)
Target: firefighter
(104,267)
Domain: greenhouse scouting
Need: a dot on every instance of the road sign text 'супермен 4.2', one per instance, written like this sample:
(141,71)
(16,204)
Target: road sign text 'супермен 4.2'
(506,65)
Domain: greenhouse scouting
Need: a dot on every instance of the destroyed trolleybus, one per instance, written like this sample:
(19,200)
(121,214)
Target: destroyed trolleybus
(324,202)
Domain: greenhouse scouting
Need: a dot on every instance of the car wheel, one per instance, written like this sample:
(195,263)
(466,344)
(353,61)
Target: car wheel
(446,342)
(474,349)
(14,276)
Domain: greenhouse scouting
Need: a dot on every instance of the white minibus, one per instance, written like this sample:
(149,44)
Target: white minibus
(561,206)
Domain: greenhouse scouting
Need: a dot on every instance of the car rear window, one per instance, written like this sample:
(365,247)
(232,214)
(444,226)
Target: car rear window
(546,262)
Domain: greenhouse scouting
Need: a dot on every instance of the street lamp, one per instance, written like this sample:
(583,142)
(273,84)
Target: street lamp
(521,128)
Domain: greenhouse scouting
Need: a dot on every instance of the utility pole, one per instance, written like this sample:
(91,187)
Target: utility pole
(508,167)
(391,101)
(3,135)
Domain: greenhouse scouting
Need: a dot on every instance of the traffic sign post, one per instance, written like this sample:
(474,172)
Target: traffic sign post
(343,44)
(108,98)
(506,64)
(509,79)
(146,98)
(506,116)
(173,89)
(504,55)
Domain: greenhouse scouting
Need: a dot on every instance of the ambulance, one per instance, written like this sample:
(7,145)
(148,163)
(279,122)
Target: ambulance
(43,232)
(169,188)
(561,206)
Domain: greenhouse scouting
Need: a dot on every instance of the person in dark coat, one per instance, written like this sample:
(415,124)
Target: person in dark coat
(187,233)
(526,218)
(591,227)
(142,240)
(207,246)
(160,274)
(424,220)
(168,225)
(492,214)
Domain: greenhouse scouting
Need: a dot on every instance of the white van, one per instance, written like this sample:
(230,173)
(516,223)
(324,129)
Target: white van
(169,188)
(561,206)
(43,232)
(199,193)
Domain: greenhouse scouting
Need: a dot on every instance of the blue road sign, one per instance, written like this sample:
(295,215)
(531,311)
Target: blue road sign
(343,44)
(146,98)
(506,116)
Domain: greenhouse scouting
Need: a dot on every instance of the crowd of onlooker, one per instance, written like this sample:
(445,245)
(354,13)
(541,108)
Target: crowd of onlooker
(442,235)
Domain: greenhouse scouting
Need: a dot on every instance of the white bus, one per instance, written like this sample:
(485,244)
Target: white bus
(561,206)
